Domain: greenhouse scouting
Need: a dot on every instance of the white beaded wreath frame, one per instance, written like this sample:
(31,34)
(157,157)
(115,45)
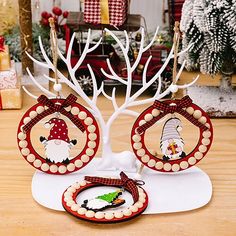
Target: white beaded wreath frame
(157,164)
(70,205)
(78,162)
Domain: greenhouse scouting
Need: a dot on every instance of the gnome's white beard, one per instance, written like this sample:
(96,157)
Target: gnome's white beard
(179,143)
(55,152)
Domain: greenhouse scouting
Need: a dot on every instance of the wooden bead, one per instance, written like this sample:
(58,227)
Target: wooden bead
(33,114)
(75,111)
(92,136)
(89,152)
(92,128)
(21,136)
(26,120)
(167,166)
(78,163)
(127,212)
(137,146)
(206,141)
(152,163)
(23,143)
(40,109)
(99,215)
(44,167)
(81,211)
(155,112)
(148,117)
(25,151)
(91,144)
(175,167)
(62,169)
(198,155)
(184,165)
(75,207)
(70,203)
(141,152)
(88,121)
(202,148)
(37,163)
(53,168)
(136,138)
(203,120)
(90,214)
(85,158)
(70,167)
(145,158)
(206,134)
(190,110)
(197,114)
(134,208)
(118,214)
(142,122)
(192,161)
(109,215)
(82,115)
(159,165)
(139,204)
(31,158)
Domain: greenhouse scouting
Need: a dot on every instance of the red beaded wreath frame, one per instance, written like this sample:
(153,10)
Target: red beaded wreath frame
(77,114)
(157,164)
(72,207)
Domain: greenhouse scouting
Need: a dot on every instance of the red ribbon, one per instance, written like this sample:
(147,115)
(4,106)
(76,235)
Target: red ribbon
(167,109)
(0,101)
(55,107)
(2,40)
(124,181)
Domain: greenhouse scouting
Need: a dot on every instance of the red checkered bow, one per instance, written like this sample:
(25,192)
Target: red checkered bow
(169,108)
(55,107)
(124,181)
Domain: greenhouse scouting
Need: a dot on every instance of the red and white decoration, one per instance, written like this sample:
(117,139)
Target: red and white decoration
(157,111)
(117,11)
(8,78)
(140,199)
(78,115)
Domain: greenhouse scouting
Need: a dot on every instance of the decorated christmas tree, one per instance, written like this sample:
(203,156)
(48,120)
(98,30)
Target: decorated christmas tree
(210,25)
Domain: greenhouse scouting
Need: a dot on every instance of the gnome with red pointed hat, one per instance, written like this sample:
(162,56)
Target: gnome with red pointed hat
(58,144)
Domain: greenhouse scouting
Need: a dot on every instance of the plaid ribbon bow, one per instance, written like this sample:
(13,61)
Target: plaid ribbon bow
(169,108)
(55,107)
(124,181)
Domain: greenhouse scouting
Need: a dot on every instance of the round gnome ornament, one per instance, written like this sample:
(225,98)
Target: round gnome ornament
(57,145)
(172,145)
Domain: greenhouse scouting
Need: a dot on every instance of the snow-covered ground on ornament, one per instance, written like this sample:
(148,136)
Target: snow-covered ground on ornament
(173,192)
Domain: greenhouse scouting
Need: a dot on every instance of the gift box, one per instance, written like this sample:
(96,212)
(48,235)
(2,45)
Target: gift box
(8,78)
(11,98)
(5,62)
(113,12)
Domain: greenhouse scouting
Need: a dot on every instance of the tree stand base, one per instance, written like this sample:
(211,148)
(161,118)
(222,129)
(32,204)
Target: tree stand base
(167,193)
(216,102)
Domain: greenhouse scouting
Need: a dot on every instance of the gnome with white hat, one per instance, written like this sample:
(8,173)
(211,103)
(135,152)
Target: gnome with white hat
(171,143)
(57,146)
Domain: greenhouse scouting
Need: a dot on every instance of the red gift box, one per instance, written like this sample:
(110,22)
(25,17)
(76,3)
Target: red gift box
(113,12)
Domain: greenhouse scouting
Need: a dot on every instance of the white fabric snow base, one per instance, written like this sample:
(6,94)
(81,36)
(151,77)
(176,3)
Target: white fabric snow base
(214,101)
(175,192)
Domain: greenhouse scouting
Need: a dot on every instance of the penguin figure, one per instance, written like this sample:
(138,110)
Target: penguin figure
(171,142)
(104,201)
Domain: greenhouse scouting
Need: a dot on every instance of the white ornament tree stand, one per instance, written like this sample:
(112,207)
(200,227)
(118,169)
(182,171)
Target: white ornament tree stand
(192,182)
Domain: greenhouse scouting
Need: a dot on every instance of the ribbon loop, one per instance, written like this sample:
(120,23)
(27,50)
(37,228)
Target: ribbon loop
(176,106)
(55,107)
(125,182)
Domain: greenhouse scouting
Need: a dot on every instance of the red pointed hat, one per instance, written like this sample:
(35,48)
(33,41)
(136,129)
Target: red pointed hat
(59,129)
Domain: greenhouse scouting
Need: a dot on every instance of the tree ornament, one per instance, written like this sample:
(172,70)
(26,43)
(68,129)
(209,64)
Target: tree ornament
(172,146)
(57,145)
(94,210)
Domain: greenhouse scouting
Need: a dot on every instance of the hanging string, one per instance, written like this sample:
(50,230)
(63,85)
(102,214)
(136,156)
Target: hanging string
(54,46)
(176,40)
